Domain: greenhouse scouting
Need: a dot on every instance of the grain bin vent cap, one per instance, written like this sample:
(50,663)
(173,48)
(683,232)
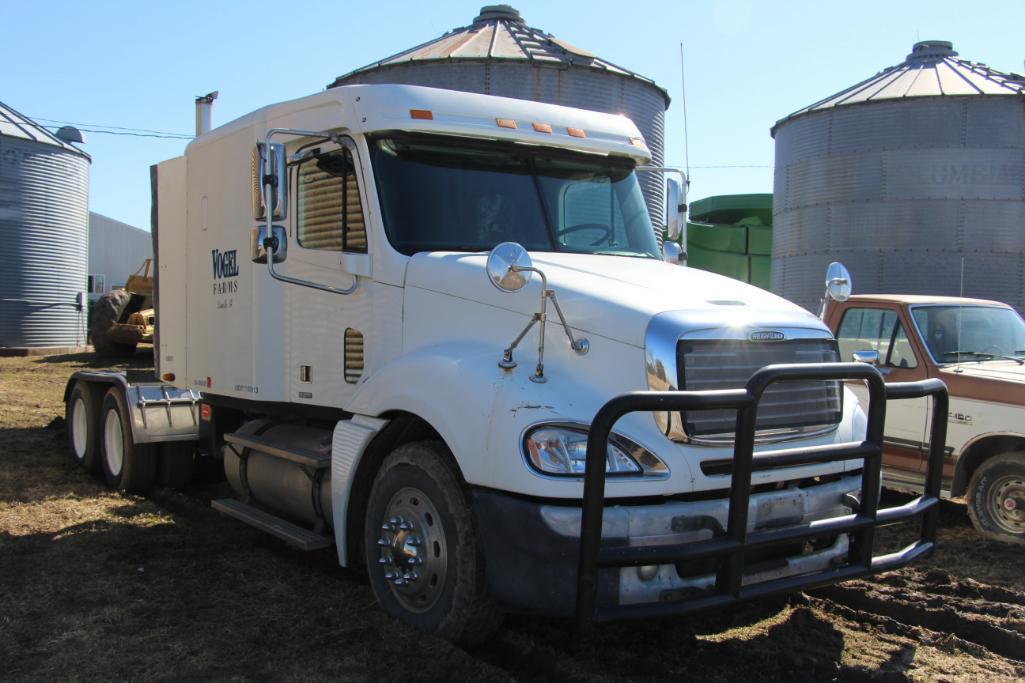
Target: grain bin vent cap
(933,69)
(499,33)
(16,125)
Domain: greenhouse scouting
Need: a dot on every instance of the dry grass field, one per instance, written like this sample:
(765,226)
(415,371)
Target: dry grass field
(99,585)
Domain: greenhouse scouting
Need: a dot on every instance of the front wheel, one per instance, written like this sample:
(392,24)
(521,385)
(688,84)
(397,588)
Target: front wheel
(996,498)
(424,558)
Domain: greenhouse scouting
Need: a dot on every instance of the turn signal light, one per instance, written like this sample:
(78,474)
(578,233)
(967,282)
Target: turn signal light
(205,412)
(505,123)
(576,132)
(425,114)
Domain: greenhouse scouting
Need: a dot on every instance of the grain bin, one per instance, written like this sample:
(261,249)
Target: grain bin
(498,54)
(901,177)
(44,229)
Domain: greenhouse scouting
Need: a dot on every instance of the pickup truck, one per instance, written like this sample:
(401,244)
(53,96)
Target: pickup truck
(977,348)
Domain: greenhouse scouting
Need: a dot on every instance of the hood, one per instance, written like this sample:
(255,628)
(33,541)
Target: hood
(996,370)
(610,296)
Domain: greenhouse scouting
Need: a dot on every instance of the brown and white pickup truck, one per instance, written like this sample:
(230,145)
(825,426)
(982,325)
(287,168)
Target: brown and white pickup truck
(977,348)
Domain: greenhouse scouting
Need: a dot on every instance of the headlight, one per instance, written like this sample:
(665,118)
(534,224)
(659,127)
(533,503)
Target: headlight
(562,450)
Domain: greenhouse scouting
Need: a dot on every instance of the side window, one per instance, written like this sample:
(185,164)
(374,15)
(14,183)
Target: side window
(875,329)
(330,216)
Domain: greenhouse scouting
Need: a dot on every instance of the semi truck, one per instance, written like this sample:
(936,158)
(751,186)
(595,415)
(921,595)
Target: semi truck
(436,331)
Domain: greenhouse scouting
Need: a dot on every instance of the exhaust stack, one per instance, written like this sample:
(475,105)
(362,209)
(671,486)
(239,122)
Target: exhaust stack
(204,106)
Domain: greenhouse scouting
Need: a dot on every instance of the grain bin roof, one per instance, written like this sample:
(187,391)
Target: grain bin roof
(15,125)
(932,69)
(499,33)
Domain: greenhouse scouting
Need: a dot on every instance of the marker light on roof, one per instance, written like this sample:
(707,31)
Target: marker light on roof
(505,123)
(542,128)
(637,142)
(425,114)
(576,132)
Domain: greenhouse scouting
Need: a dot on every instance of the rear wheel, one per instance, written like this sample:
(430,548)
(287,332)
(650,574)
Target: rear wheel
(80,418)
(996,498)
(423,555)
(127,466)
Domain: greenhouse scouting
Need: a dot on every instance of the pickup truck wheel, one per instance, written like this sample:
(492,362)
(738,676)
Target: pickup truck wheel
(82,426)
(996,498)
(127,466)
(424,558)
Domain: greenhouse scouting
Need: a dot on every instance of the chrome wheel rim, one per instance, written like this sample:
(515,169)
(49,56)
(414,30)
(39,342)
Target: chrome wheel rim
(113,442)
(413,557)
(1007,501)
(79,428)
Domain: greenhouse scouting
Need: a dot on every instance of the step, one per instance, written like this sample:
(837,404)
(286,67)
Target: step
(301,456)
(290,533)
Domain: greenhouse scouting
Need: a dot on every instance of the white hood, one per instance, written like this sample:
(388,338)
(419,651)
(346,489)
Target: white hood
(609,296)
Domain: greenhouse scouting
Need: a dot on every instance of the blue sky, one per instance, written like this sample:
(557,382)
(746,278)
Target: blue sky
(749,63)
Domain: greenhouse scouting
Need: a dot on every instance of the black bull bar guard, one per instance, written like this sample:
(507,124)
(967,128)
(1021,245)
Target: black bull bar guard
(730,548)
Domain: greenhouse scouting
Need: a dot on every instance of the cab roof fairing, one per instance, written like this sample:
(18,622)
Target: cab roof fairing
(362,109)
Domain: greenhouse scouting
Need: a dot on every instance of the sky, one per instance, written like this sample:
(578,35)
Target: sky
(748,63)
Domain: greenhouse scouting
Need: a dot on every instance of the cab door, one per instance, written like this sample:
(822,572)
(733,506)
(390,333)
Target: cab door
(327,245)
(882,328)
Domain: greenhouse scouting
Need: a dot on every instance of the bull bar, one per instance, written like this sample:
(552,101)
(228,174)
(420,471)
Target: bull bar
(730,548)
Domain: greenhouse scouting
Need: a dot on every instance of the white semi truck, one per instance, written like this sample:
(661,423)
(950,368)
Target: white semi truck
(436,331)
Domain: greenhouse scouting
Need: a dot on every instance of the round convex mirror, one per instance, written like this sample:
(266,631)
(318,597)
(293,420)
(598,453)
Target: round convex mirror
(838,282)
(503,262)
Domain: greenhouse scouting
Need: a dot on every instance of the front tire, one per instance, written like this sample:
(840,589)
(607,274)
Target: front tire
(996,498)
(424,558)
(80,418)
(127,466)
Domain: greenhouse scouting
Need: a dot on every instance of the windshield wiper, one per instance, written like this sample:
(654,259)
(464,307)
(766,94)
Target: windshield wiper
(985,355)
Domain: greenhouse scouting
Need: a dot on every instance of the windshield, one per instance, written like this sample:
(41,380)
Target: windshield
(960,333)
(450,194)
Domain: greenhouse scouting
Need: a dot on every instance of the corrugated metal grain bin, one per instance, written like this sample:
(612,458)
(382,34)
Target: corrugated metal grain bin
(901,177)
(44,227)
(498,54)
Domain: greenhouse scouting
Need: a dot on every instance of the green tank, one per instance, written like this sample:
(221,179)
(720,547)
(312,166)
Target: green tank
(732,235)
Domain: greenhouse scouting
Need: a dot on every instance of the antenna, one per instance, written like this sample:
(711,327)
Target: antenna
(960,312)
(686,138)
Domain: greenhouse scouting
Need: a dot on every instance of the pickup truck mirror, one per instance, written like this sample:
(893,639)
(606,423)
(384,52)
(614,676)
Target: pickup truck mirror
(278,179)
(867,356)
(509,267)
(838,282)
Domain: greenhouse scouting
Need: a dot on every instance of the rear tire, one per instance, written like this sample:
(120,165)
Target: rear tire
(127,466)
(424,558)
(996,498)
(107,311)
(175,466)
(81,413)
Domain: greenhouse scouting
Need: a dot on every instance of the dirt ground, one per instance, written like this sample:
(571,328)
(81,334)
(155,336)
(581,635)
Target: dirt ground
(99,585)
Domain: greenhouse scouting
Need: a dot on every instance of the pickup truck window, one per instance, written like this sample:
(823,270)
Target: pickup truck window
(965,333)
(451,194)
(875,329)
(330,216)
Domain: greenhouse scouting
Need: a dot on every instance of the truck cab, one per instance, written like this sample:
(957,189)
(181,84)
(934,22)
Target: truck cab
(977,348)
(403,308)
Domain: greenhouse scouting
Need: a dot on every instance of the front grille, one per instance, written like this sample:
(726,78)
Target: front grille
(786,407)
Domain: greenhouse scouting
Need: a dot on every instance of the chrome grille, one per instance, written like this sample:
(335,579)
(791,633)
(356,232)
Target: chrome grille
(786,408)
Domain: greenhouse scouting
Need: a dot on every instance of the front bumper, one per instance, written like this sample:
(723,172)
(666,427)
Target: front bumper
(532,548)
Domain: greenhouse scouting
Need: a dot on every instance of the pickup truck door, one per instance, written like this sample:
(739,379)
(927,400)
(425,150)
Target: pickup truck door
(882,328)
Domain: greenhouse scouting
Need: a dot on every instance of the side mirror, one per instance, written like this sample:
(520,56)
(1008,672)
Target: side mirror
(838,282)
(278,243)
(867,356)
(675,211)
(278,178)
(671,252)
(507,267)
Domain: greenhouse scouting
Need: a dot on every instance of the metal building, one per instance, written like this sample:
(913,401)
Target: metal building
(116,250)
(498,54)
(44,229)
(906,177)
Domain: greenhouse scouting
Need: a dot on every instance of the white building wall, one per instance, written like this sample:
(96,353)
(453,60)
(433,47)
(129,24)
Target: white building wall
(116,250)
